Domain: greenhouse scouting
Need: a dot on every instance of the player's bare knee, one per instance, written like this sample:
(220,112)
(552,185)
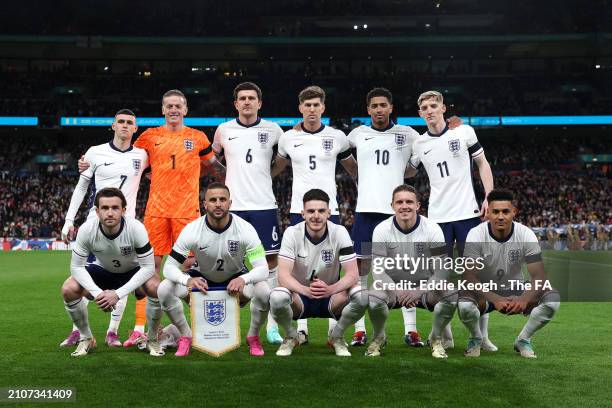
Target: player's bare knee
(71,290)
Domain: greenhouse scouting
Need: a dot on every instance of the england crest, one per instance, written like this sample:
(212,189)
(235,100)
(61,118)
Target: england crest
(514,255)
(214,311)
(400,139)
(454,146)
(188,143)
(125,250)
(328,145)
(232,247)
(327,256)
(137,164)
(419,248)
(262,137)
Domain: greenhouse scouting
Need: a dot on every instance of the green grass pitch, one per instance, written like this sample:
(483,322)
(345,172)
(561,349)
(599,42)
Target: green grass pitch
(574,365)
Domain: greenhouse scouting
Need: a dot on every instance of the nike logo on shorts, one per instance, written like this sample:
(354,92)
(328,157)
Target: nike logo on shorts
(108,164)
(298,145)
(274,245)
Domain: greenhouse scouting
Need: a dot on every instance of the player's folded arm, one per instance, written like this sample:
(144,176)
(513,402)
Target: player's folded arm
(257,258)
(172,268)
(146,260)
(80,274)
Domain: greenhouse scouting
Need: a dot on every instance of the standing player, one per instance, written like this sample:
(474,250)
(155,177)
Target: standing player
(124,263)
(248,144)
(311,255)
(383,152)
(222,243)
(113,164)
(179,156)
(502,246)
(447,156)
(313,152)
(407,235)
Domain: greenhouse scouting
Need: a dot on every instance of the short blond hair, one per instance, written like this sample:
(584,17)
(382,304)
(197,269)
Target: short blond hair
(437,96)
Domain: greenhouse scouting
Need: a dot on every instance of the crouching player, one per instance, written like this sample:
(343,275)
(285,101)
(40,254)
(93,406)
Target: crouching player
(498,248)
(124,264)
(310,257)
(221,242)
(417,245)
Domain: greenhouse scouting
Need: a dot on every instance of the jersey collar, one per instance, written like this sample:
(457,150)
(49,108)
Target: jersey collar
(501,241)
(112,146)
(408,231)
(219,230)
(389,126)
(438,134)
(312,133)
(111,237)
(248,126)
(312,240)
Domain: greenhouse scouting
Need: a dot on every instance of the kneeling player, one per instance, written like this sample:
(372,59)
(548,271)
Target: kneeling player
(124,263)
(310,257)
(412,237)
(498,248)
(221,242)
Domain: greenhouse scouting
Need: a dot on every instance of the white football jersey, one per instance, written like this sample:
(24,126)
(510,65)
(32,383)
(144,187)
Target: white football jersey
(382,157)
(220,254)
(111,167)
(447,158)
(313,160)
(118,253)
(248,152)
(424,240)
(502,260)
(320,259)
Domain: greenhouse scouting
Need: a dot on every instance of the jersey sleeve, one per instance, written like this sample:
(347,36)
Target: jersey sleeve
(415,159)
(474,146)
(473,244)
(277,133)
(346,252)
(282,140)
(217,145)
(379,246)
(288,247)
(142,245)
(437,246)
(345,148)
(81,246)
(185,242)
(254,248)
(206,149)
(143,140)
(531,247)
(352,138)
(90,158)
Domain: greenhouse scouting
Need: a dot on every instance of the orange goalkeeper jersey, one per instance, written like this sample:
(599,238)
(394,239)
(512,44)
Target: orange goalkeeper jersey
(175,170)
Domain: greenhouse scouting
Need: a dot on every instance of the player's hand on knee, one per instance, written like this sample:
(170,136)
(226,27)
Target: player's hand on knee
(198,283)
(83,165)
(235,286)
(411,298)
(107,300)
